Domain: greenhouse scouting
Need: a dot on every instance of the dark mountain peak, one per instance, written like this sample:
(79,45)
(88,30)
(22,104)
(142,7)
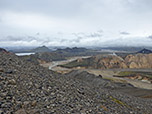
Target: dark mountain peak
(74,49)
(44,46)
(145,51)
(79,49)
(41,49)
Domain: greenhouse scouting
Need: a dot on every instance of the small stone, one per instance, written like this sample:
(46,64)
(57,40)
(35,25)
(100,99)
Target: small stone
(3,94)
(33,103)
(9,71)
(21,111)
(26,103)
(6,105)
(30,83)
(1,112)
(37,86)
(52,93)
(12,82)
(47,106)
(52,105)
(1,70)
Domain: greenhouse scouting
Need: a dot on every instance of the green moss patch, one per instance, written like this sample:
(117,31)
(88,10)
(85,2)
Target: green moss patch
(134,73)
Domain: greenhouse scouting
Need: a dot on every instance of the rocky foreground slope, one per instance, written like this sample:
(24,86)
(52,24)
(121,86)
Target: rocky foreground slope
(26,88)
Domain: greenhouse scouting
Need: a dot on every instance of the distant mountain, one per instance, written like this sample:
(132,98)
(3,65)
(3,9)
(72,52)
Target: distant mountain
(59,54)
(41,49)
(72,50)
(76,51)
(125,48)
(145,51)
(30,49)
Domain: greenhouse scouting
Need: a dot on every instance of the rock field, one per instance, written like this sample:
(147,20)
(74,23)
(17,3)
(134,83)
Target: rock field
(26,88)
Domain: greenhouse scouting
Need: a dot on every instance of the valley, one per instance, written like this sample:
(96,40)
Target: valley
(110,74)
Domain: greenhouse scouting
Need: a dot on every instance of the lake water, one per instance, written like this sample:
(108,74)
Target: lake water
(22,54)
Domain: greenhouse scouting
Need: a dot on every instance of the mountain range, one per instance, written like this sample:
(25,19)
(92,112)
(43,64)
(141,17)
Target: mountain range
(141,59)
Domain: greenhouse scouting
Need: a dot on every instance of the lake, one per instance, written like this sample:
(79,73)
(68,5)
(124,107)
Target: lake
(22,54)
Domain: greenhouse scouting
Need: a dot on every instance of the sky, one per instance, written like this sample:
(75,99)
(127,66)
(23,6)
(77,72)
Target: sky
(80,23)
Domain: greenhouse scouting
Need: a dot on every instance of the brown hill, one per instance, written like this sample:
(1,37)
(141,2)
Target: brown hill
(111,62)
(139,61)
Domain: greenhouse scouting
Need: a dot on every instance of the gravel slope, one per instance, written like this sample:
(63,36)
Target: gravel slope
(26,88)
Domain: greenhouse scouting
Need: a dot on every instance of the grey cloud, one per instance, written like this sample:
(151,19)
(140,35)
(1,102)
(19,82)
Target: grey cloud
(50,7)
(79,35)
(150,37)
(60,33)
(134,41)
(140,5)
(76,40)
(42,40)
(124,33)
(92,35)
(100,31)
(82,35)
(76,16)
(38,34)
(18,38)
(63,40)
(12,38)
(29,38)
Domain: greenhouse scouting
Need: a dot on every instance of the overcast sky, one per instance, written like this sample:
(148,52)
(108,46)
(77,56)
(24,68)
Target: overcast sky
(75,22)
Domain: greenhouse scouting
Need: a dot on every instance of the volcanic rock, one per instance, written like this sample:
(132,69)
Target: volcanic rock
(32,89)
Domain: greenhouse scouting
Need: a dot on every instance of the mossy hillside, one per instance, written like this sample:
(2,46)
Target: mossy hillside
(134,73)
(84,63)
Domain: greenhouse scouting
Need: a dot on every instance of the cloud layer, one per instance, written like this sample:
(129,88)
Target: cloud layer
(75,22)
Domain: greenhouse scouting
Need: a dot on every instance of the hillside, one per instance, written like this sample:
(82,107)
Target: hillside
(29,89)
(112,62)
(43,57)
